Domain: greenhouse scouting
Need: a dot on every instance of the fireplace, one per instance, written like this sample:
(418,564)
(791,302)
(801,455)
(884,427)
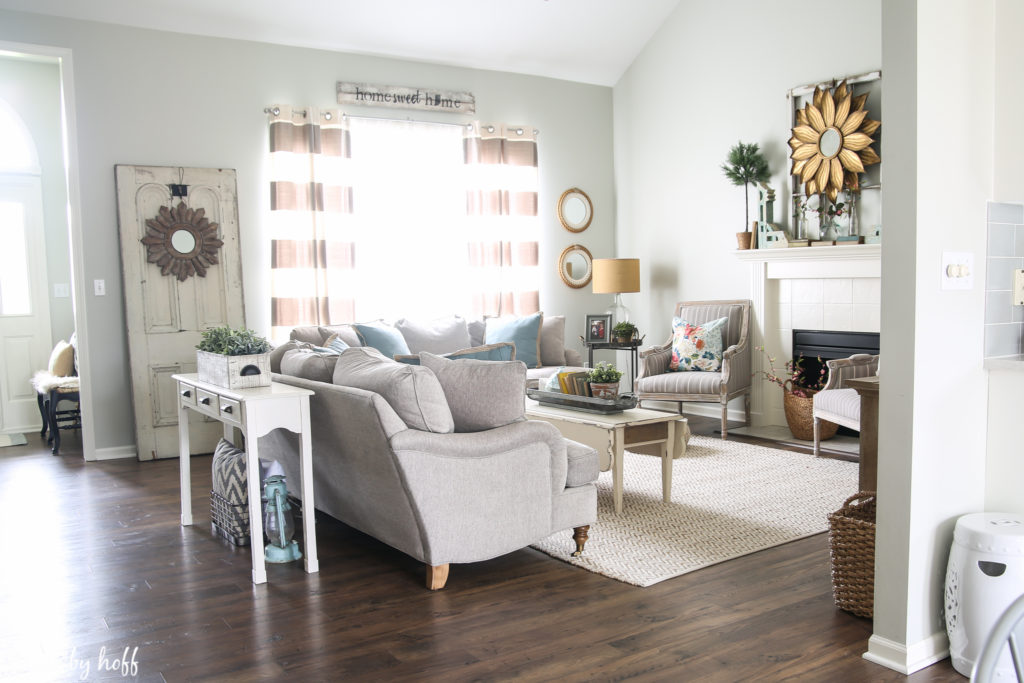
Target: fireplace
(829,345)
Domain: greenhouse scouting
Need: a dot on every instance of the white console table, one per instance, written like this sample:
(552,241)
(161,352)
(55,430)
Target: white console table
(255,412)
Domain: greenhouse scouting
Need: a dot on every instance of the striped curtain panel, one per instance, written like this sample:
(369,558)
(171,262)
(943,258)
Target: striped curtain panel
(503,227)
(312,251)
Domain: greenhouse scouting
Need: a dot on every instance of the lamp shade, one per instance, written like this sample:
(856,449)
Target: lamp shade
(616,275)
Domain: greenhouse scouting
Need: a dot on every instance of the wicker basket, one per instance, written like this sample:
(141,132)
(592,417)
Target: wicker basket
(230,520)
(851,538)
(800,417)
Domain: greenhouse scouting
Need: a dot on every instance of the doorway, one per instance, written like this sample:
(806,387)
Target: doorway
(38,187)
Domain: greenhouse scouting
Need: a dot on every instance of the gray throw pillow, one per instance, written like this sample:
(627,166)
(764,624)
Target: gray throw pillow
(482,394)
(476,332)
(552,340)
(346,333)
(413,391)
(277,353)
(435,336)
(311,365)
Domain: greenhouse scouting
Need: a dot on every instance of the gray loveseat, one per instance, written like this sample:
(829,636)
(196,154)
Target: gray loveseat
(437,460)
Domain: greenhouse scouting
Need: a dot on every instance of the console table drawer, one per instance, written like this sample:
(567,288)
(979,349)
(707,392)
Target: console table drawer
(230,410)
(186,394)
(206,402)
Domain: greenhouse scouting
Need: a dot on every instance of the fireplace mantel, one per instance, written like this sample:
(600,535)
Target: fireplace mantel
(861,260)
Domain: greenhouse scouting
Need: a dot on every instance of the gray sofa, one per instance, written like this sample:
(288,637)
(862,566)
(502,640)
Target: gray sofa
(455,333)
(436,460)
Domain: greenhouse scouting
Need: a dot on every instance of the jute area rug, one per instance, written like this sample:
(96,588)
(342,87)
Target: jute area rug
(728,499)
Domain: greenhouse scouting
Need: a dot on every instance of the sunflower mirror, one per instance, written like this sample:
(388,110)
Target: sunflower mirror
(181,241)
(832,140)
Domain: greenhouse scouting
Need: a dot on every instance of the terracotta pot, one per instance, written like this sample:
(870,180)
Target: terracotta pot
(604,389)
(800,417)
(743,239)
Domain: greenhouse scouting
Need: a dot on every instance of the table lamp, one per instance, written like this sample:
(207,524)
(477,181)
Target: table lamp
(616,276)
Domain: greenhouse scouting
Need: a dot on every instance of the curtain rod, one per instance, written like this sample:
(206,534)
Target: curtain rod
(275,111)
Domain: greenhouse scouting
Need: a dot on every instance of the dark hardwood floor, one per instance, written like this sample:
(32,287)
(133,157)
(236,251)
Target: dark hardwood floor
(97,562)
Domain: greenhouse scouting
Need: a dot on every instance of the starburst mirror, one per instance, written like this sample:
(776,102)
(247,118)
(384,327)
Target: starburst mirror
(832,141)
(182,241)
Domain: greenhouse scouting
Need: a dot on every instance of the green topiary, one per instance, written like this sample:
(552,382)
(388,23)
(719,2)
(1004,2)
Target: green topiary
(624,329)
(604,373)
(229,342)
(746,165)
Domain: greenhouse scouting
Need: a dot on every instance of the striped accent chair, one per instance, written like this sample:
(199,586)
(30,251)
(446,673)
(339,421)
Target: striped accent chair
(655,382)
(837,403)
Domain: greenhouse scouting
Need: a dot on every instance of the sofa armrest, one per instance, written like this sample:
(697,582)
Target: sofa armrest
(655,360)
(490,445)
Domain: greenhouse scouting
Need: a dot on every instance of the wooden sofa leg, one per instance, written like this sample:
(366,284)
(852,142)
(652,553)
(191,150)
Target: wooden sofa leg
(580,535)
(437,576)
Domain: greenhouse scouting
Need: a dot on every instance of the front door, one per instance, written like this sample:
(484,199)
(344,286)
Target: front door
(24,305)
(175,289)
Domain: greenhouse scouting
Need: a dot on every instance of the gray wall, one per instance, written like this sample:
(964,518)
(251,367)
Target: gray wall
(32,89)
(156,98)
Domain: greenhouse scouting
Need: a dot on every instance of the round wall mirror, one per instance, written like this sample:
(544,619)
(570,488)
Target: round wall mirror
(830,142)
(575,266)
(575,210)
(183,241)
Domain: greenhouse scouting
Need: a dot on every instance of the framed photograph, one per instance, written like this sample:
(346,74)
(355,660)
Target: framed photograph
(599,328)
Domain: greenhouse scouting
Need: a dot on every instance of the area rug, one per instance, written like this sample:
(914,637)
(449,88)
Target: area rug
(728,499)
(12,440)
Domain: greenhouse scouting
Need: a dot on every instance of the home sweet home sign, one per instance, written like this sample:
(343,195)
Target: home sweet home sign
(403,97)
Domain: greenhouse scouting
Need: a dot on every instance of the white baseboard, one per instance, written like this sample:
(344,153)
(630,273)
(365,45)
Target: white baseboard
(906,659)
(115,453)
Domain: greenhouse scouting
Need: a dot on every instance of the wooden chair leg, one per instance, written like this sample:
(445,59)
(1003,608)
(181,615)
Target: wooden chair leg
(437,576)
(43,413)
(725,416)
(580,535)
(54,428)
(817,435)
(746,407)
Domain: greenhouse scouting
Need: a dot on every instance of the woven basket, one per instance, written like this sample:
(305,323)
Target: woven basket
(800,417)
(229,519)
(851,538)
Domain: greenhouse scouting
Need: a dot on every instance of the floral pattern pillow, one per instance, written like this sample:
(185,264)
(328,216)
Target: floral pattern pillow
(696,347)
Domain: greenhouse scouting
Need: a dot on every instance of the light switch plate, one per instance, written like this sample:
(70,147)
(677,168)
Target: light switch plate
(61,290)
(957,270)
(99,287)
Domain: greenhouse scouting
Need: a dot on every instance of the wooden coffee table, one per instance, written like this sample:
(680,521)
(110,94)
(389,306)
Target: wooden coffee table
(639,429)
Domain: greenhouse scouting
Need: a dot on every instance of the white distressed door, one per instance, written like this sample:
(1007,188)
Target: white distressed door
(24,304)
(166,313)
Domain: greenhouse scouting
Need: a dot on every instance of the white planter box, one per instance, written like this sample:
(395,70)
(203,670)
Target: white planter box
(234,372)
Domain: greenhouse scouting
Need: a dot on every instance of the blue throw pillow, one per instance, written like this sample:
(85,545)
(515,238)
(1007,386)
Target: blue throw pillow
(499,351)
(524,332)
(382,337)
(336,345)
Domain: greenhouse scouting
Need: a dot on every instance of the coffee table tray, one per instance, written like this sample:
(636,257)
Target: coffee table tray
(584,403)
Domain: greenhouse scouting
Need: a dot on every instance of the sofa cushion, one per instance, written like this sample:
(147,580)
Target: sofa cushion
(481,394)
(524,332)
(383,337)
(310,334)
(439,336)
(696,347)
(277,353)
(346,333)
(309,364)
(552,340)
(413,392)
(499,351)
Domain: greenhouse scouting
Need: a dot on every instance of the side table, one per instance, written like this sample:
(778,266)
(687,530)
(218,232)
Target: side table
(867,387)
(633,347)
(255,412)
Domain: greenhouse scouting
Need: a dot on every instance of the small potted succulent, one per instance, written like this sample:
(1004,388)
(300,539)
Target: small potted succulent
(233,358)
(624,332)
(604,381)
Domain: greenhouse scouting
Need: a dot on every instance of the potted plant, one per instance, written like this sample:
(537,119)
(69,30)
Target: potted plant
(744,166)
(604,380)
(798,390)
(233,358)
(624,332)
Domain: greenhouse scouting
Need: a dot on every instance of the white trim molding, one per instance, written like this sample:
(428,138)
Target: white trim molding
(907,659)
(113,453)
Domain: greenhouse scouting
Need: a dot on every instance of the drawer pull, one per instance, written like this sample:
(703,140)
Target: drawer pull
(227,409)
(205,401)
(186,393)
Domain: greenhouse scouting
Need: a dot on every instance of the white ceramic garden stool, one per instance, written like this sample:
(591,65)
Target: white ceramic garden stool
(984,575)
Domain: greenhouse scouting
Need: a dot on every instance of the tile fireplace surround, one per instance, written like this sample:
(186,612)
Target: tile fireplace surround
(815,288)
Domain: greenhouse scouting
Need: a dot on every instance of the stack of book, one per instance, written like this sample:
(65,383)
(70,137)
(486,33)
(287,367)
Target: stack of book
(574,382)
